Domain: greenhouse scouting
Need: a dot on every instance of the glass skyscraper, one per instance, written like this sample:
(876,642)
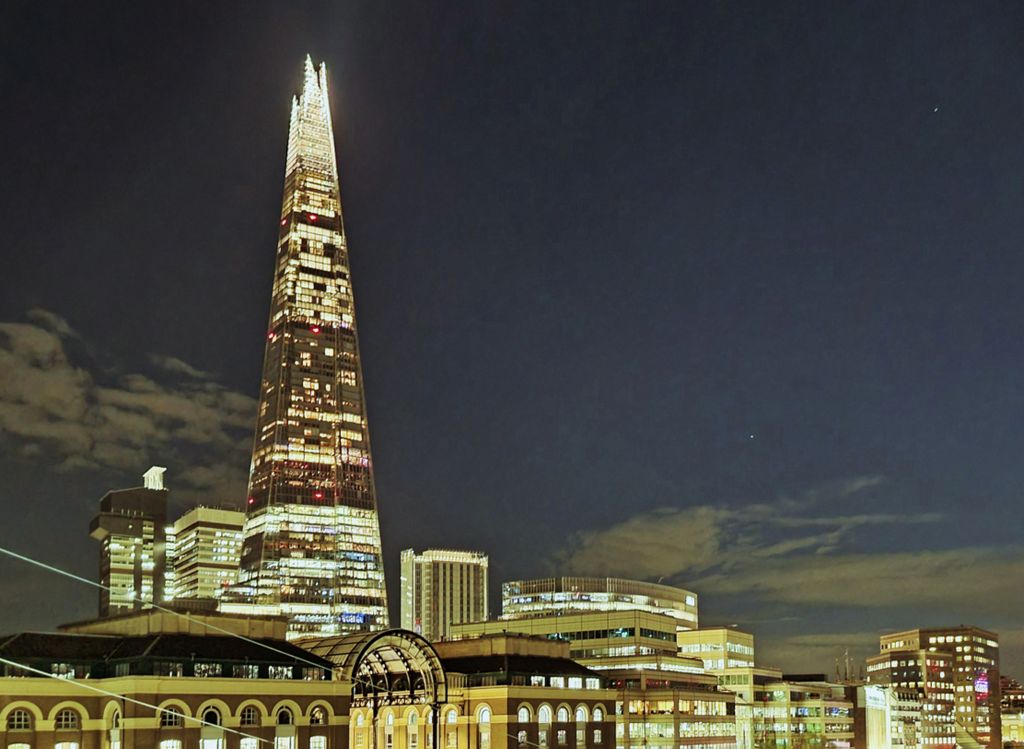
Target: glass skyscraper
(312,538)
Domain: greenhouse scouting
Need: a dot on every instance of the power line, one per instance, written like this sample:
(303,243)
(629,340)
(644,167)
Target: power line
(215,628)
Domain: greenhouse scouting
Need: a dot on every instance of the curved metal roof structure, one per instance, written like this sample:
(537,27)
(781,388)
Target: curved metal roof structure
(394,665)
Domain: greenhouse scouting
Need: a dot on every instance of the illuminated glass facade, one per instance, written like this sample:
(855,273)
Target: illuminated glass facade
(312,538)
(521,599)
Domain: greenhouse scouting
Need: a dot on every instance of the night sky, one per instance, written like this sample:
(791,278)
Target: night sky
(720,293)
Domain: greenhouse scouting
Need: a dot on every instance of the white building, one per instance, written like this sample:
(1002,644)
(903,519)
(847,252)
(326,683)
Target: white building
(441,587)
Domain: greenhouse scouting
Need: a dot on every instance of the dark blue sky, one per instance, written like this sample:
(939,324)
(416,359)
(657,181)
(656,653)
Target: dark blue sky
(735,282)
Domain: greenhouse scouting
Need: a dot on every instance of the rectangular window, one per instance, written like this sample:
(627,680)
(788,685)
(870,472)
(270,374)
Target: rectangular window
(558,681)
(245,671)
(597,735)
(207,669)
(247,742)
(279,672)
(284,742)
(317,742)
(521,738)
(563,738)
(542,737)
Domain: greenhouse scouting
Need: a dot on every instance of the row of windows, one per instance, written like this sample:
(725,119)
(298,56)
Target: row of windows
(21,720)
(171,717)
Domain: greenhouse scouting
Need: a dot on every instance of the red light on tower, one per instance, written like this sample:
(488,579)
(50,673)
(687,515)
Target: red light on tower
(315,329)
(284,221)
(318,495)
(312,217)
(252,500)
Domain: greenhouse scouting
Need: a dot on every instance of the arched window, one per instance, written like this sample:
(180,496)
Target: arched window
(581,726)
(412,731)
(581,714)
(171,717)
(115,719)
(544,715)
(19,720)
(389,731)
(250,716)
(360,721)
(451,717)
(524,714)
(284,717)
(317,717)
(211,716)
(451,735)
(598,715)
(483,720)
(563,714)
(66,719)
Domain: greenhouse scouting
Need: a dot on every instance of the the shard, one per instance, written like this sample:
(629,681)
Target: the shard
(312,538)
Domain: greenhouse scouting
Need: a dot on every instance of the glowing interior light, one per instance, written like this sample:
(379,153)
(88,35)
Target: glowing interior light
(252,500)
(315,328)
(270,335)
(284,221)
(318,495)
(312,217)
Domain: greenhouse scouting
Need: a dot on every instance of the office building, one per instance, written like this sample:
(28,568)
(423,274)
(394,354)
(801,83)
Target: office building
(788,711)
(718,647)
(130,529)
(204,547)
(441,587)
(311,546)
(521,599)
(956,669)
(591,635)
(930,674)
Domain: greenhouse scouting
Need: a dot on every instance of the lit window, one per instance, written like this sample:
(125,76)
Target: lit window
(170,744)
(250,716)
(563,715)
(317,742)
(524,714)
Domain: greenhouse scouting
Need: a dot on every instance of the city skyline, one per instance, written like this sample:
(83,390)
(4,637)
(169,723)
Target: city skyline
(623,323)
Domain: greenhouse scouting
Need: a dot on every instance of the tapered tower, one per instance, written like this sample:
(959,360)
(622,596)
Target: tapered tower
(312,538)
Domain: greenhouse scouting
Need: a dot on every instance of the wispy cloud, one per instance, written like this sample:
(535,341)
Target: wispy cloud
(670,542)
(54,408)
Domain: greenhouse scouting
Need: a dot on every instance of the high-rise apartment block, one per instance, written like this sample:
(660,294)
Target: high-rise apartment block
(558,595)
(956,671)
(130,527)
(442,587)
(204,547)
(312,538)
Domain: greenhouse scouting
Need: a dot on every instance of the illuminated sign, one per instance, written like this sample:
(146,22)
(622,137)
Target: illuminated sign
(981,686)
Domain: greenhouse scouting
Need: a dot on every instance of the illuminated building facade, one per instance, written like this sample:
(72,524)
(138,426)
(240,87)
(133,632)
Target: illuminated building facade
(204,547)
(130,527)
(974,682)
(312,537)
(441,587)
(594,635)
(777,711)
(718,647)
(557,595)
(929,673)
